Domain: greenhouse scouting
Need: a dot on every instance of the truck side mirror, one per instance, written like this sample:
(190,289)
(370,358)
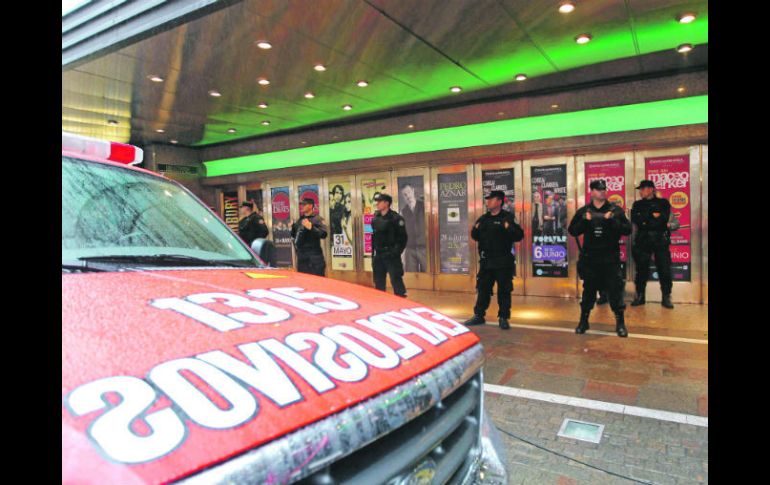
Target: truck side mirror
(265,249)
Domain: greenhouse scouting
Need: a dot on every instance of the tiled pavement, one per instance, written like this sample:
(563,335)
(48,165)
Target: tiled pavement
(652,372)
(670,376)
(643,449)
(658,374)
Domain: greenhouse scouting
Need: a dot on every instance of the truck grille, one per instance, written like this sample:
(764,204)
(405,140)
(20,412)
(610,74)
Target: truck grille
(447,434)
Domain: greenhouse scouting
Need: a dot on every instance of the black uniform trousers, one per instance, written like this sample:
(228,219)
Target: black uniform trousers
(484,281)
(604,276)
(311,263)
(642,255)
(387,264)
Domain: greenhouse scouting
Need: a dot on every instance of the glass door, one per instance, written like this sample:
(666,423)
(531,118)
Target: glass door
(341,213)
(617,170)
(676,173)
(549,204)
(452,210)
(505,176)
(411,199)
(368,186)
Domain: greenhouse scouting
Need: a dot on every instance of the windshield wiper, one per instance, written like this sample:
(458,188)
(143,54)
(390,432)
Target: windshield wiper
(163,260)
(85,267)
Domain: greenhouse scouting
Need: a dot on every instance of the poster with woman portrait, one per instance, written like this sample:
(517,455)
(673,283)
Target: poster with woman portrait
(549,221)
(411,206)
(341,225)
(370,188)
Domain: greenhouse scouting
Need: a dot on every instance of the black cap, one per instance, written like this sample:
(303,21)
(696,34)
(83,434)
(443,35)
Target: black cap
(496,193)
(307,201)
(598,185)
(646,183)
(247,204)
(387,198)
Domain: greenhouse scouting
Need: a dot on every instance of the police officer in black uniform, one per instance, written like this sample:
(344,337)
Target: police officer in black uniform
(388,242)
(651,215)
(601,224)
(495,231)
(252,226)
(307,233)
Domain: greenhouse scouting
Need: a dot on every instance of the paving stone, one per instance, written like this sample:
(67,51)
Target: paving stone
(642,448)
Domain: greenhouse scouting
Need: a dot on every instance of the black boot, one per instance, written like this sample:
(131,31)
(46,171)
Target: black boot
(602,298)
(504,323)
(620,325)
(639,296)
(583,325)
(475,320)
(666,302)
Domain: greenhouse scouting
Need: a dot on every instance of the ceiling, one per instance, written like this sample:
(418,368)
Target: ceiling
(409,51)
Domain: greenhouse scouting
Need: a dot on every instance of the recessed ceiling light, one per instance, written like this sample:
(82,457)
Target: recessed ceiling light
(160,130)
(685,18)
(566,7)
(583,38)
(215,93)
(112,122)
(154,78)
(680,89)
(411,126)
(263,82)
(455,89)
(262,105)
(309,95)
(554,106)
(319,67)
(173,142)
(347,107)
(362,83)
(304,142)
(263,44)
(231,130)
(684,48)
(521,77)
(265,123)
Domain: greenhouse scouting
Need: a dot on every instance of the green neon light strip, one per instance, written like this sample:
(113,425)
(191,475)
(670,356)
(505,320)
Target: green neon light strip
(657,114)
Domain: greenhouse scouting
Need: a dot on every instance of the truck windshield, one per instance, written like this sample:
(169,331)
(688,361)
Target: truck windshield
(129,218)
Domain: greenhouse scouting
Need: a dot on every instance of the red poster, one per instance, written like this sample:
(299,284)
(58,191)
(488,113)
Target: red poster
(671,176)
(613,172)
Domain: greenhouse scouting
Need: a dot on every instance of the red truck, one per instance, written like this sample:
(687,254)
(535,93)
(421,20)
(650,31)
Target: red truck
(186,359)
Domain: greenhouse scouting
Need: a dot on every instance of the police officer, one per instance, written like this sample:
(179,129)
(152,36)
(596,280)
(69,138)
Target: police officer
(307,233)
(252,226)
(388,242)
(651,216)
(601,224)
(495,231)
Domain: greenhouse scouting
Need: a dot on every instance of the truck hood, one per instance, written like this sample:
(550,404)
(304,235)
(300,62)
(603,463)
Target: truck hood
(168,372)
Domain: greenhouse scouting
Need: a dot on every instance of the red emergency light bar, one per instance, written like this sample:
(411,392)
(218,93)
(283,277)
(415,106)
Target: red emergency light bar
(105,150)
